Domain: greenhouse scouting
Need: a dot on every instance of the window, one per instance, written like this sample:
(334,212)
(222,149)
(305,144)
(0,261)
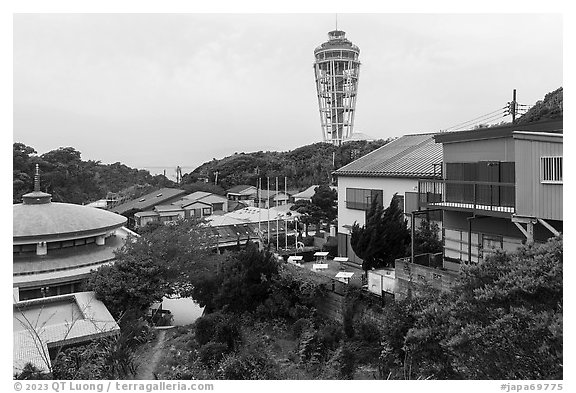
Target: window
(551,169)
(456,245)
(207,211)
(361,199)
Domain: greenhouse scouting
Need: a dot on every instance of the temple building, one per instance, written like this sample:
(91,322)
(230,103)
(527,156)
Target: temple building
(57,245)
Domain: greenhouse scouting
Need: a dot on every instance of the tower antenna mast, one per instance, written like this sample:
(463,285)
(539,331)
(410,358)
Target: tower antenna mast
(337,71)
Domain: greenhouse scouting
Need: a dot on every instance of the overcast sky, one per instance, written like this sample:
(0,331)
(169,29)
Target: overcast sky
(180,89)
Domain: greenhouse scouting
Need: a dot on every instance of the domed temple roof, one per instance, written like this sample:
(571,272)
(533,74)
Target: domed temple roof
(49,220)
(38,218)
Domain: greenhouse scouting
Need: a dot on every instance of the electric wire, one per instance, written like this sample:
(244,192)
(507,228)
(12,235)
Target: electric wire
(487,120)
(479,117)
(477,120)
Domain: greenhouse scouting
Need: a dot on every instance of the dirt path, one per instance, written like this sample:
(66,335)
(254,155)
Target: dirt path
(149,359)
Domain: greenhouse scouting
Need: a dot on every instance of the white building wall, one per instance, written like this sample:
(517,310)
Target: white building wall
(388,185)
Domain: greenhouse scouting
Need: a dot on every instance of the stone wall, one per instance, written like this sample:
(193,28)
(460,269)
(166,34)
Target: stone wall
(410,276)
(368,307)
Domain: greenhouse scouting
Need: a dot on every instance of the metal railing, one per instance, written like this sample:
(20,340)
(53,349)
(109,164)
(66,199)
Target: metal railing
(476,195)
(429,260)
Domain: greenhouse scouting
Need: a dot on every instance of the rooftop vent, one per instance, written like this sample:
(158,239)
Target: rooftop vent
(159,195)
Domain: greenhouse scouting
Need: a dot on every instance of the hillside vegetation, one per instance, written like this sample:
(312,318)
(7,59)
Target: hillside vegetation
(551,107)
(72,180)
(303,167)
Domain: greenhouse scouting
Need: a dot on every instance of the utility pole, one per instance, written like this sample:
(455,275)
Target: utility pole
(216,177)
(513,107)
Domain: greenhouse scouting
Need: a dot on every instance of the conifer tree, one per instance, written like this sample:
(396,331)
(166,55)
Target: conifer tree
(383,238)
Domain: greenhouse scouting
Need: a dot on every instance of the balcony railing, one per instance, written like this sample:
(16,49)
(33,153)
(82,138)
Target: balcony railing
(468,195)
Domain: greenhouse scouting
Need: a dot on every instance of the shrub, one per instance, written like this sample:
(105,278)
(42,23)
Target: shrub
(300,326)
(308,241)
(227,331)
(245,366)
(345,361)
(367,331)
(205,327)
(212,353)
(330,335)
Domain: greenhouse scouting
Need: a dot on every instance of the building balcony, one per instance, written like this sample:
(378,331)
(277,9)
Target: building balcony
(487,198)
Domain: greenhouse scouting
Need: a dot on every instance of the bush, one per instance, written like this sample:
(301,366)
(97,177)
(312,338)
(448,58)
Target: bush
(330,335)
(219,328)
(245,366)
(345,361)
(212,353)
(205,326)
(31,372)
(368,332)
(308,241)
(300,326)
(331,246)
(227,331)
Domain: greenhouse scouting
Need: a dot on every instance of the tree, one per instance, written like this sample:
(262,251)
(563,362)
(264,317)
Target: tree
(426,239)
(23,170)
(503,320)
(321,209)
(246,279)
(325,199)
(383,238)
(132,283)
(160,262)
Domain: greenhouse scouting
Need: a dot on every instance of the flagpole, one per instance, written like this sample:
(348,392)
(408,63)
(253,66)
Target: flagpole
(268,206)
(285,216)
(276,197)
(258,186)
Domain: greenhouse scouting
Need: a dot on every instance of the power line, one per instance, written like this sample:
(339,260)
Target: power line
(477,118)
(487,120)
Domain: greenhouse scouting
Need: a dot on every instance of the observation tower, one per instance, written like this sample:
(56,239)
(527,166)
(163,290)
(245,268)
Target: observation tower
(337,69)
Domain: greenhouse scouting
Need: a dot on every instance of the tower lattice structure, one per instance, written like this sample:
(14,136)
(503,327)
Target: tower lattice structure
(337,71)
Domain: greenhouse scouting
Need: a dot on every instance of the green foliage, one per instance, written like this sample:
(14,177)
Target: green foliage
(148,267)
(206,187)
(131,284)
(245,366)
(293,295)
(426,238)
(22,171)
(212,353)
(321,209)
(31,372)
(325,199)
(70,179)
(367,331)
(107,358)
(383,238)
(345,359)
(504,321)
(303,167)
(242,283)
(331,246)
(551,107)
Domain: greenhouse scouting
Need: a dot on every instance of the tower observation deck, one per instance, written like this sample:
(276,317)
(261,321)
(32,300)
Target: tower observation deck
(337,69)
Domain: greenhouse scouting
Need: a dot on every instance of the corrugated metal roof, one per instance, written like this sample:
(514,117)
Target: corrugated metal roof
(407,156)
(149,200)
(239,189)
